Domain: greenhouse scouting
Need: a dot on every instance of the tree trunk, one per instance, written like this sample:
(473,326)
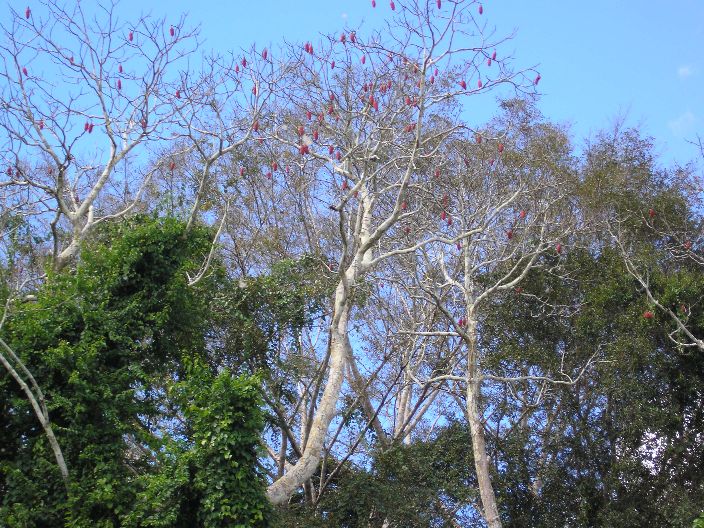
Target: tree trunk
(280,491)
(481,459)
(476,427)
(39,407)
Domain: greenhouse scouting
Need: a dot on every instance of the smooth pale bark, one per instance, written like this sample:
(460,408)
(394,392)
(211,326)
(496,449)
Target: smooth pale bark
(359,385)
(39,407)
(476,427)
(280,490)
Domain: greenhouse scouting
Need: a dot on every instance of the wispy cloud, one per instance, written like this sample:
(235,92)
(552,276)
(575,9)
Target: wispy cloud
(685,71)
(683,124)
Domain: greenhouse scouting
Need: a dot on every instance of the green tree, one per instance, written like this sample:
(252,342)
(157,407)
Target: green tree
(119,346)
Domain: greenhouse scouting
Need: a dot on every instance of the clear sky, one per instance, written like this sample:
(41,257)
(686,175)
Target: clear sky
(598,60)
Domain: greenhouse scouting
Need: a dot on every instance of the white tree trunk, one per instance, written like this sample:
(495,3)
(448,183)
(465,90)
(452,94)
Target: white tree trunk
(476,427)
(40,410)
(280,491)
(481,459)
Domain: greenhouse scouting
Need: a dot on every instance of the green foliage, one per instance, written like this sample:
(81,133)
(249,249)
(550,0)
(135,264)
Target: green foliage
(226,433)
(418,485)
(258,313)
(116,345)
(209,478)
(622,447)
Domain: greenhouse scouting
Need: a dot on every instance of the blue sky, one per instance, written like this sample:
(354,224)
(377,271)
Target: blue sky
(599,60)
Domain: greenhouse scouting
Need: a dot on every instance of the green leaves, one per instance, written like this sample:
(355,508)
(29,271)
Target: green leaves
(119,348)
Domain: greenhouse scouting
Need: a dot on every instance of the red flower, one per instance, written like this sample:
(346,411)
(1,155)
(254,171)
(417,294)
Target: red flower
(537,80)
(393,6)
(648,314)
(463,84)
(130,37)
(481,9)
(172,32)
(27,13)
(501,148)
(264,53)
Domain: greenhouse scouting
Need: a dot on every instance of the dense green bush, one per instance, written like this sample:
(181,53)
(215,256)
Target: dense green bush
(152,433)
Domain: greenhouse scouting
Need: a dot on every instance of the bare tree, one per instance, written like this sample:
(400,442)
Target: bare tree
(81,90)
(365,123)
(502,208)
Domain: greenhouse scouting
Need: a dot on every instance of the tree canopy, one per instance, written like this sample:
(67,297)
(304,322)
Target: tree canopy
(303,285)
